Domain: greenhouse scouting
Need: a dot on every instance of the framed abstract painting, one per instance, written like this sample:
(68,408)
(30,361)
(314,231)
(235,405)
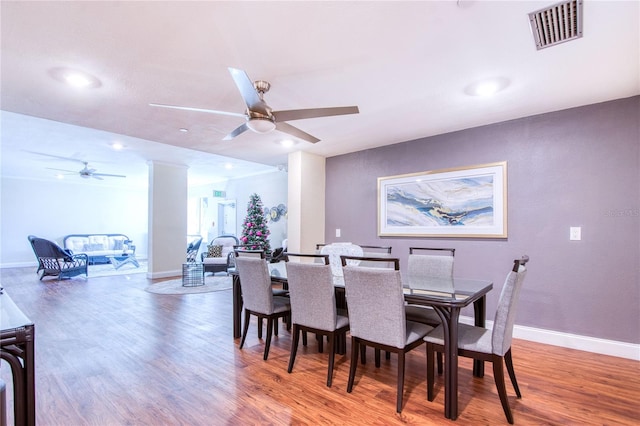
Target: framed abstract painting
(469,202)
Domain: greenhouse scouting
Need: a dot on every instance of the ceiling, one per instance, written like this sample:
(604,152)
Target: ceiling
(406,65)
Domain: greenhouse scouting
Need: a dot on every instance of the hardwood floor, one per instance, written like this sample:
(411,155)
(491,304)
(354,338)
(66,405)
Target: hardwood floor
(110,353)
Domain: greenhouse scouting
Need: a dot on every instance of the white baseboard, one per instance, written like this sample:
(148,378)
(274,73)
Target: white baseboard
(571,341)
(164,274)
(19,265)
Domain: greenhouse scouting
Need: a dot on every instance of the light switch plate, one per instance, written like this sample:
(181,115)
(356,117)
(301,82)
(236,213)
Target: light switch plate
(575,233)
(337,232)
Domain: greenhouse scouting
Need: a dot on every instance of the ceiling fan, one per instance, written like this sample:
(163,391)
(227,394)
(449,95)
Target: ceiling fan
(86,172)
(259,116)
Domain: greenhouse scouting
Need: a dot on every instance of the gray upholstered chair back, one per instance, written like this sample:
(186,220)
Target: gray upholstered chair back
(376,304)
(506,311)
(434,270)
(312,294)
(430,266)
(243,252)
(256,284)
(336,250)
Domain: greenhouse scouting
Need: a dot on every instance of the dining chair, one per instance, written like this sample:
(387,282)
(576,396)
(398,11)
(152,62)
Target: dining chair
(376,315)
(335,250)
(258,298)
(313,305)
(487,345)
(435,268)
(246,250)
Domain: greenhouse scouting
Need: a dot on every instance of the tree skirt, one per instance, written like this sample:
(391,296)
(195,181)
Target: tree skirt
(211,283)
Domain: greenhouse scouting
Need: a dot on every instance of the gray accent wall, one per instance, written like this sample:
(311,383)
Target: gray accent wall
(576,167)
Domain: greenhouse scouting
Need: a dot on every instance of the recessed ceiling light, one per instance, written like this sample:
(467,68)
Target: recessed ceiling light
(117,146)
(75,78)
(486,87)
(287,143)
(183,130)
(228,166)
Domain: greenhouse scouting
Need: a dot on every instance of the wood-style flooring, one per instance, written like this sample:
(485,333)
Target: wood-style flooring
(110,353)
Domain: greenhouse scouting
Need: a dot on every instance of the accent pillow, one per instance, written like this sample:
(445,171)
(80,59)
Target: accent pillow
(214,251)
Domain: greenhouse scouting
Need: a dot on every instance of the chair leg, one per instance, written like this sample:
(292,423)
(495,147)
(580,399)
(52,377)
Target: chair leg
(439,355)
(401,356)
(259,328)
(376,353)
(387,355)
(304,338)
(430,371)
(363,354)
(332,356)
(267,344)
(294,347)
(245,328)
(275,326)
(354,363)
(320,340)
(498,375)
(512,374)
(341,344)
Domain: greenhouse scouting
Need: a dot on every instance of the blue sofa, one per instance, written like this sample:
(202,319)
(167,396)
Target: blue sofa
(99,246)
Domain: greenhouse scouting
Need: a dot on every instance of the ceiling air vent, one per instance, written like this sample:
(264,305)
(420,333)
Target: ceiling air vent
(557,24)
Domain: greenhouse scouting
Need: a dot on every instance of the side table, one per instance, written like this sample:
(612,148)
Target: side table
(17,341)
(192,274)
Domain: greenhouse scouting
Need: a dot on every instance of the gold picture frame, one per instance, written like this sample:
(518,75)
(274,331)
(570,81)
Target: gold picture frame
(467,202)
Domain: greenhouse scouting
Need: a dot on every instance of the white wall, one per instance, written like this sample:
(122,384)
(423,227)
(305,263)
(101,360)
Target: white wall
(53,209)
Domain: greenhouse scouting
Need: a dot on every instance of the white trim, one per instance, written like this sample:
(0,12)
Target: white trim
(571,341)
(164,274)
(19,265)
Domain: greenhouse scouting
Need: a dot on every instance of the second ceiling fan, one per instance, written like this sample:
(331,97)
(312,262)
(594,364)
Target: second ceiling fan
(259,117)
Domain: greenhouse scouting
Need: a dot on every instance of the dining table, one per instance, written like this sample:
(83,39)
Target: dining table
(17,342)
(446,297)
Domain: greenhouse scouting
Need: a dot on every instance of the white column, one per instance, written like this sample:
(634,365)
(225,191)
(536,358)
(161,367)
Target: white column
(168,192)
(306,200)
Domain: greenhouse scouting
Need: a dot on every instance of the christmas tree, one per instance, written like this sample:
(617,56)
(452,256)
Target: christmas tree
(254,228)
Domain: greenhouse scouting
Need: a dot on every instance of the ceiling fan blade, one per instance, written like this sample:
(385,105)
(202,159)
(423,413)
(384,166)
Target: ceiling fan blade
(210,111)
(239,130)
(57,156)
(294,131)
(99,175)
(248,91)
(299,114)
(62,170)
(95,177)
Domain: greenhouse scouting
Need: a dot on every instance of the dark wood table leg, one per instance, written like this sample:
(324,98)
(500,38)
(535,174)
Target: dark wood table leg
(451,366)
(449,319)
(237,307)
(479,309)
(13,350)
(30,376)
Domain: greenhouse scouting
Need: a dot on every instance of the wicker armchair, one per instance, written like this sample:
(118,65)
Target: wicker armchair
(55,261)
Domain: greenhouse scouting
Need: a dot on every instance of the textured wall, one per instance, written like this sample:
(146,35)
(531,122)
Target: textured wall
(578,167)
